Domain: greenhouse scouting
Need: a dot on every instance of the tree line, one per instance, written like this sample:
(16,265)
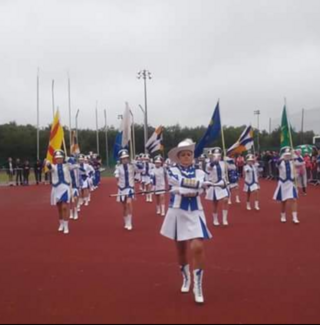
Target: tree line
(18,141)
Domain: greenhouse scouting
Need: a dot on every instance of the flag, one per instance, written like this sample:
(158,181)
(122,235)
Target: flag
(285,130)
(245,143)
(56,137)
(155,143)
(126,127)
(212,133)
(75,149)
(117,146)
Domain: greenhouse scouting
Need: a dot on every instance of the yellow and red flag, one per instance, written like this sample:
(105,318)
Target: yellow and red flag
(56,137)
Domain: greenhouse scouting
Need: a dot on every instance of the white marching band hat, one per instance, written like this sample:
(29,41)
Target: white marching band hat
(158,159)
(286,151)
(250,157)
(123,154)
(186,145)
(59,154)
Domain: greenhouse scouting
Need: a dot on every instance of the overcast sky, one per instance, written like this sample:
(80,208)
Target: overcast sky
(248,53)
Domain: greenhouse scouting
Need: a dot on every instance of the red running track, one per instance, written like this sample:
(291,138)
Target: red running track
(258,270)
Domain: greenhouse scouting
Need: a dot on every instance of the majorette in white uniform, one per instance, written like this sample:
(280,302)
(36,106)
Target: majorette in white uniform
(61,182)
(85,171)
(126,187)
(139,165)
(125,176)
(185,219)
(159,178)
(251,171)
(301,172)
(233,178)
(287,189)
(61,187)
(75,185)
(146,176)
(201,163)
(217,170)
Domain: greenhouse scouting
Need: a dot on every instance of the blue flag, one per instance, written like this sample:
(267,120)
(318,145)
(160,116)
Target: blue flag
(117,146)
(212,133)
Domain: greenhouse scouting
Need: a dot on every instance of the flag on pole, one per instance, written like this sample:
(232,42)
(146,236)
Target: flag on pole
(126,127)
(124,136)
(212,133)
(56,137)
(285,129)
(245,143)
(117,146)
(155,143)
(75,148)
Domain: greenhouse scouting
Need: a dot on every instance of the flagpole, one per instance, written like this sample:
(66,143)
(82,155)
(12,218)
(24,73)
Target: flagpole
(38,115)
(133,134)
(107,143)
(223,144)
(70,112)
(222,134)
(291,142)
(97,127)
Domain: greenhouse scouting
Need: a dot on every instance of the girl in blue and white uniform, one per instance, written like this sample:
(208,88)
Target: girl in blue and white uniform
(61,188)
(218,170)
(125,173)
(159,177)
(287,189)
(185,221)
(252,186)
(233,179)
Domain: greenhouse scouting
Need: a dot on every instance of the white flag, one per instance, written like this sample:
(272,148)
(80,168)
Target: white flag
(126,127)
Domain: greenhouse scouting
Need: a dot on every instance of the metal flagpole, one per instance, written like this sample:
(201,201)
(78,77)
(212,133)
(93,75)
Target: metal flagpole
(291,142)
(38,116)
(133,135)
(97,127)
(223,142)
(70,112)
(77,125)
(107,143)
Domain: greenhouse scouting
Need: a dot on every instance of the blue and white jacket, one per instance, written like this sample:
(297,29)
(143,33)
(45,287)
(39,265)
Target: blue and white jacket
(184,181)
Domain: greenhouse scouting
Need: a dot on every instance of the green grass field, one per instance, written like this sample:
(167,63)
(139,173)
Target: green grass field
(4,178)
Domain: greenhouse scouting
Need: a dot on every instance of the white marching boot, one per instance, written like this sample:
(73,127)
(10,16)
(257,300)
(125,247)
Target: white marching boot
(238,199)
(158,210)
(61,228)
(295,218)
(283,218)
(128,223)
(197,290)
(249,206)
(186,286)
(257,207)
(225,218)
(216,220)
(66,230)
(75,214)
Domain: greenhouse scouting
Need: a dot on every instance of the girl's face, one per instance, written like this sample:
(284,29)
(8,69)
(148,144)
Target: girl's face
(59,161)
(287,157)
(186,158)
(125,161)
(158,165)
